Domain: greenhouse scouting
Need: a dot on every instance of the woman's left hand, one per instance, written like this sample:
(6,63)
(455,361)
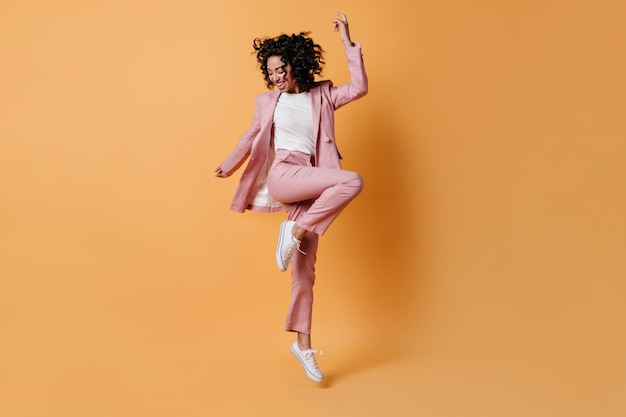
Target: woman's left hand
(341,24)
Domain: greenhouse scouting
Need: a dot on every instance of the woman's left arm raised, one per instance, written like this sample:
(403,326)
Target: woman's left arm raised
(358,85)
(341,24)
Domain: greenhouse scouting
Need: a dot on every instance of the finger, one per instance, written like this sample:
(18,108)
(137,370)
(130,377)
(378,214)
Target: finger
(343,17)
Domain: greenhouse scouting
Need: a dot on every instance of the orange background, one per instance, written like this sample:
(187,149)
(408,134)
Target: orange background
(480,273)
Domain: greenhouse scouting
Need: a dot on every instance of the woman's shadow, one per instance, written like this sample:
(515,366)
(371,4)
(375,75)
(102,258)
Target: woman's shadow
(389,255)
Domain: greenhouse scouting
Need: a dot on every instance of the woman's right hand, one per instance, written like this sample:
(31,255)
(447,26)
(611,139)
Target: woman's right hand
(219,173)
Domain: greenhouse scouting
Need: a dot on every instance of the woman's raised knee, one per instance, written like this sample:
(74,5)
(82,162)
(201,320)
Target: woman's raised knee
(355,184)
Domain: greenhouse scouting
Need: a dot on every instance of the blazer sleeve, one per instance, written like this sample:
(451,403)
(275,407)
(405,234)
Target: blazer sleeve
(242,150)
(357,87)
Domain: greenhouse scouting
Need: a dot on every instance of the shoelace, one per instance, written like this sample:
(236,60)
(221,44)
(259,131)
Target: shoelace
(295,244)
(309,355)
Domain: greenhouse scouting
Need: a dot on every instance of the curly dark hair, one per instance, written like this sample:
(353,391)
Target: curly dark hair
(299,51)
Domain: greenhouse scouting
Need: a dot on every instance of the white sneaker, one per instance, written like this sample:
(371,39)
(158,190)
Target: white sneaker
(287,244)
(307,359)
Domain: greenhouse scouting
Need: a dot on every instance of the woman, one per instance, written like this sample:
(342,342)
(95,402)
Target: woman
(294,164)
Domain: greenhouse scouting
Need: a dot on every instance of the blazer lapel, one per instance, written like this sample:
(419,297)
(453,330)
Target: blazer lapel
(268,108)
(316,105)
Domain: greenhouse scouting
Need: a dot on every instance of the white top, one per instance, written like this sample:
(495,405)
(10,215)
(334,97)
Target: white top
(293,123)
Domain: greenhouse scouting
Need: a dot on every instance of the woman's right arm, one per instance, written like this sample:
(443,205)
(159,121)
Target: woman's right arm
(241,152)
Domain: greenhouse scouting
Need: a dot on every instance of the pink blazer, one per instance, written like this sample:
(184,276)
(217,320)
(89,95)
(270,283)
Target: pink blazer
(256,142)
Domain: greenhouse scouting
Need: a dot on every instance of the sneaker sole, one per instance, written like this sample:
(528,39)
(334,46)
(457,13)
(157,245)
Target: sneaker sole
(279,248)
(306,371)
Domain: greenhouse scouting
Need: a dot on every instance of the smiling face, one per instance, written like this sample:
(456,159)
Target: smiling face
(281,76)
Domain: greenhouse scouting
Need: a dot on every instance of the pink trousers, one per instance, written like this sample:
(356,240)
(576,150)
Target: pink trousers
(313,198)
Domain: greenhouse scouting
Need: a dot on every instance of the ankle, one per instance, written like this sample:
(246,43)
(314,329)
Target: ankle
(298,232)
(304,342)
(303,347)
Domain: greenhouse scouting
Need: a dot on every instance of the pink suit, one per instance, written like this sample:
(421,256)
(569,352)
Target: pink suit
(312,189)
